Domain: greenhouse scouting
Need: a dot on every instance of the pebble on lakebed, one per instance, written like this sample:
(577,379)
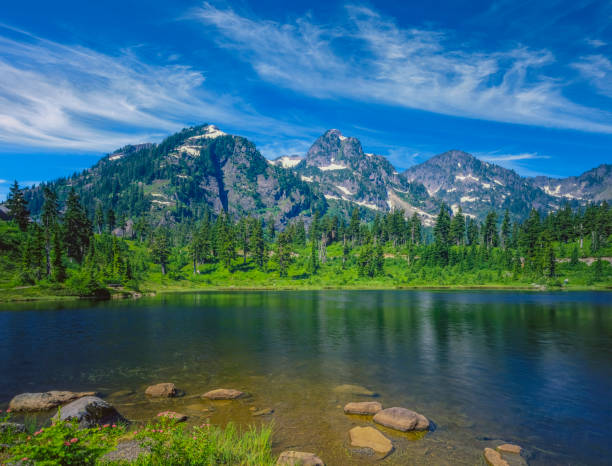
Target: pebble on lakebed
(363,407)
(162,390)
(509,448)
(494,458)
(295,458)
(369,437)
(223,394)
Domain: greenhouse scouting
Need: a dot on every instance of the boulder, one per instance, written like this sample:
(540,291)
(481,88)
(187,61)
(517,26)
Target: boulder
(176,417)
(358,390)
(125,451)
(223,394)
(162,390)
(494,458)
(90,411)
(509,448)
(262,412)
(12,427)
(295,458)
(44,401)
(362,407)
(369,437)
(401,419)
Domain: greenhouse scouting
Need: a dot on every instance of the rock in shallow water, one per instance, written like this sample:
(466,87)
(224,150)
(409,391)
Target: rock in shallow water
(401,419)
(494,458)
(369,437)
(509,448)
(363,407)
(295,458)
(358,390)
(44,401)
(223,394)
(91,411)
(162,390)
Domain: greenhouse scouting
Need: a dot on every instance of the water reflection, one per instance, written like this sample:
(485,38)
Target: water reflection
(533,368)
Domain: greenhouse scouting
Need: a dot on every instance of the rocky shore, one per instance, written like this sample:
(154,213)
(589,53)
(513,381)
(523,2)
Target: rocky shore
(372,436)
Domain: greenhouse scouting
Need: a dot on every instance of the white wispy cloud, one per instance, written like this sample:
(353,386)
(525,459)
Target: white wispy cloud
(598,70)
(3,181)
(517,162)
(71,97)
(368,57)
(596,43)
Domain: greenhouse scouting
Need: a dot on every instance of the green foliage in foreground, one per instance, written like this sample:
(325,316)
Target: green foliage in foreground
(169,443)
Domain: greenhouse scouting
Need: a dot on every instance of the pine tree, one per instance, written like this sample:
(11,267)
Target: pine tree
(57,256)
(160,249)
(313,262)
(379,259)
(283,254)
(415,229)
(345,252)
(574,260)
(300,233)
(49,217)
(354,226)
(457,228)
(506,230)
(472,232)
(17,206)
(489,232)
(99,218)
(77,228)
(442,236)
(258,245)
(110,220)
(271,229)
(552,262)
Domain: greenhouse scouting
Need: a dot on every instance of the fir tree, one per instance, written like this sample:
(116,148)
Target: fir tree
(283,254)
(99,218)
(77,228)
(506,230)
(457,228)
(313,262)
(160,249)
(57,257)
(17,206)
(258,245)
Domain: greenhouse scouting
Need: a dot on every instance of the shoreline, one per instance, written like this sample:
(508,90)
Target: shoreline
(149,292)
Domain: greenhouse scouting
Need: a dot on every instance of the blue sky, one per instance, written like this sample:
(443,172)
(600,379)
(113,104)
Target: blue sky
(524,84)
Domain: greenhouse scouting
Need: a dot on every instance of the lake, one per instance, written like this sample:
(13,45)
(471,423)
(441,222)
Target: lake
(485,366)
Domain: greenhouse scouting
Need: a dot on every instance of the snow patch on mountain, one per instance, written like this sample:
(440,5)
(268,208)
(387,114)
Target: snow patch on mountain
(333,166)
(344,190)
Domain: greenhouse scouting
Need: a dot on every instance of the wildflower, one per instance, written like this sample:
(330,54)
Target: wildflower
(106,425)
(114,425)
(67,444)
(74,440)
(9,410)
(25,458)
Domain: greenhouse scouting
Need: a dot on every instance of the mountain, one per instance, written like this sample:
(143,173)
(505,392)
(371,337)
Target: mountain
(196,169)
(348,177)
(203,169)
(460,179)
(593,185)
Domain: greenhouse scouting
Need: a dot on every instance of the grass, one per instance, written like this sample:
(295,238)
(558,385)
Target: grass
(169,443)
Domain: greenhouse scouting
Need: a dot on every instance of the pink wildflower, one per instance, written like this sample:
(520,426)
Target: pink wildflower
(67,444)
(74,440)
(106,425)
(114,425)
(9,410)
(25,458)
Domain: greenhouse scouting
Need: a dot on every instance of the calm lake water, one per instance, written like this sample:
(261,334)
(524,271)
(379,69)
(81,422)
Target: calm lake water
(529,368)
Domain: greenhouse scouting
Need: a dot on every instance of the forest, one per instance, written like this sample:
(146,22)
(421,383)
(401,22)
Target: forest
(68,251)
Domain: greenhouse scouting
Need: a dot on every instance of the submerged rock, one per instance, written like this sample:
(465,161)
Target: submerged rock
(369,437)
(362,407)
(509,448)
(90,411)
(12,427)
(494,458)
(176,417)
(401,419)
(223,394)
(354,390)
(162,390)
(128,450)
(295,458)
(262,412)
(45,400)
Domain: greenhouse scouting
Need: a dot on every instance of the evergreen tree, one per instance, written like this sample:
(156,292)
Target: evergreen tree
(415,229)
(354,226)
(457,228)
(99,218)
(258,245)
(442,236)
(379,259)
(552,262)
(472,232)
(49,217)
(110,220)
(283,254)
(346,251)
(77,228)
(160,249)
(489,232)
(574,260)
(506,230)
(271,229)
(57,257)
(17,207)
(313,262)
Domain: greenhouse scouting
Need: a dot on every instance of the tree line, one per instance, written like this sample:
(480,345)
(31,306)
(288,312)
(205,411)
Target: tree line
(91,250)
